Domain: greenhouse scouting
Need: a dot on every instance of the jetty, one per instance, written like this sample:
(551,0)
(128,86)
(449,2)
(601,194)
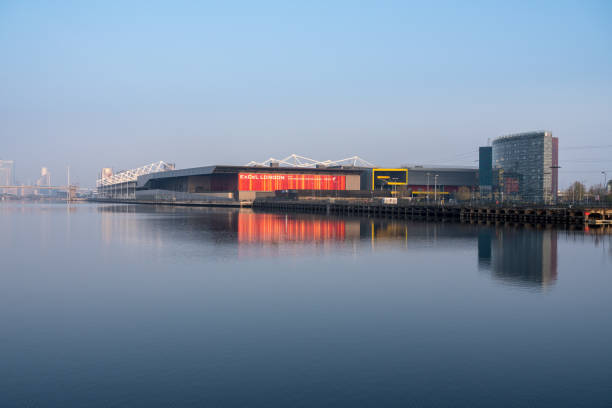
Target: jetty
(406,210)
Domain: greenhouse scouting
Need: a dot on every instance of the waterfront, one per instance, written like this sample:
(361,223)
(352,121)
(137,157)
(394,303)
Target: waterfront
(125,305)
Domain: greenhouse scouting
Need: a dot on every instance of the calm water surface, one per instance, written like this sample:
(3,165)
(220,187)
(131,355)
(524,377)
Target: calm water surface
(130,306)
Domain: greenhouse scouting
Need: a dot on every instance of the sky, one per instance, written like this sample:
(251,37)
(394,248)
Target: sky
(121,84)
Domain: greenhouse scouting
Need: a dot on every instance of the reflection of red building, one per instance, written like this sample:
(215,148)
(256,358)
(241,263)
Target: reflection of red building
(253,227)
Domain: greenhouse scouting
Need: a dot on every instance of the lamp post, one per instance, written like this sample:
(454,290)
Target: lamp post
(428,186)
(436,188)
(68,184)
(605,185)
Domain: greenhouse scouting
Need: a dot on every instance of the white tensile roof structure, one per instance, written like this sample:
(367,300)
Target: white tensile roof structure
(132,174)
(295,160)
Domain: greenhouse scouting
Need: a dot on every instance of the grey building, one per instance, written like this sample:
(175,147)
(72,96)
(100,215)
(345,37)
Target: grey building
(432,182)
(230,183)
(529,163)
(443,176)
(7,175)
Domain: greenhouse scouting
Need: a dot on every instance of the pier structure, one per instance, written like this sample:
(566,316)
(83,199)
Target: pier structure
(529,215)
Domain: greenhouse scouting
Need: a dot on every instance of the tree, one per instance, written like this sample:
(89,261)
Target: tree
(597,192)
(575,192)
(463,194)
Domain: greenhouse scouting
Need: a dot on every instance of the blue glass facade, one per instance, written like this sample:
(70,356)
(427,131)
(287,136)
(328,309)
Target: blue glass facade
(485,166)
(527,160)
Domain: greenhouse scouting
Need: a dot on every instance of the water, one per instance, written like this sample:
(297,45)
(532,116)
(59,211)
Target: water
(126,306)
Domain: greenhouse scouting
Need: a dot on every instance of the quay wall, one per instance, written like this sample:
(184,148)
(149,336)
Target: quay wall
(535,215)
(170,196)
(402,209)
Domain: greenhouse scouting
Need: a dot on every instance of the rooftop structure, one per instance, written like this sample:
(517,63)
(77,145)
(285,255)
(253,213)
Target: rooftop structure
(107,178)
(294,160)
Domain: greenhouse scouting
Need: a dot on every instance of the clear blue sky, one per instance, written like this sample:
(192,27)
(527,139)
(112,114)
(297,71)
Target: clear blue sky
(96,84)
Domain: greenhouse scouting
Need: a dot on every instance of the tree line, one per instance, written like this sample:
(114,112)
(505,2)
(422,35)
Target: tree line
(578,192)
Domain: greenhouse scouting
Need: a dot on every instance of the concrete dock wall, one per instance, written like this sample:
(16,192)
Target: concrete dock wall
(172,196)
(535,215)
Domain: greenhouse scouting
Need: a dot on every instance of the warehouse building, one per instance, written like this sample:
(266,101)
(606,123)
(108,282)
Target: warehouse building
(240,183)
(422,182)
(223,184)
(441,182)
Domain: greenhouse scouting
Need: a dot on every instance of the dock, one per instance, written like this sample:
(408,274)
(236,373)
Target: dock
(524,214)
(404,209)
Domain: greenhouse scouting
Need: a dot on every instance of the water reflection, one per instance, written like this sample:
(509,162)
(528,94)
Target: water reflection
(357,311)
(519,255)
(245,227)
(256,227)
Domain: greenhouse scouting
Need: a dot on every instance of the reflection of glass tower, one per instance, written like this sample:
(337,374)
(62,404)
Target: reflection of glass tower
(485,237)
(525,256)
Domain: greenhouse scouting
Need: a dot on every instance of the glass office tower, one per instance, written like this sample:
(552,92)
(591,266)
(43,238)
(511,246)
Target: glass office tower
(529,162)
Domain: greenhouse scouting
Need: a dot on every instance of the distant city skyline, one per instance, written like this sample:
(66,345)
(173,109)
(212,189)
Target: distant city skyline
(123,85)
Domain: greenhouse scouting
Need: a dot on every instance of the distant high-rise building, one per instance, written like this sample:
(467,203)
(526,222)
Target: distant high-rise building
(7,175)
(45,177)
(44,181)
(529,162)
(107,172)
